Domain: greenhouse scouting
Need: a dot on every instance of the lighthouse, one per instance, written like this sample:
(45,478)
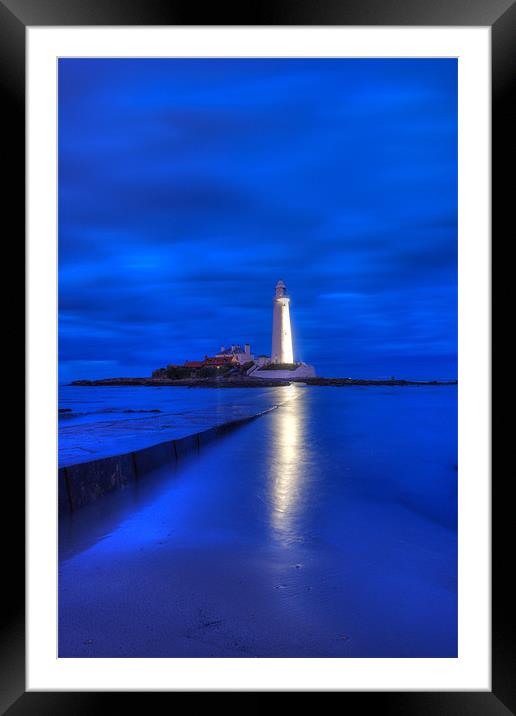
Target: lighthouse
(281,332)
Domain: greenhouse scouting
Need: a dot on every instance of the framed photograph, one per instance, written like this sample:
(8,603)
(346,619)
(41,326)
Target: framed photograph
(258,269)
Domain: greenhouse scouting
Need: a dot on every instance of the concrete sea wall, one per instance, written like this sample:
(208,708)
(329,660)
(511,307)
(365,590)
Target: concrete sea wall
(85,482)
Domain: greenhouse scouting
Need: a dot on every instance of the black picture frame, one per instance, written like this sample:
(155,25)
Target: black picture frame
(500,15)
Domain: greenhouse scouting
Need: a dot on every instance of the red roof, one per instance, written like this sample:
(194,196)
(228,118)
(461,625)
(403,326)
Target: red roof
(222,360)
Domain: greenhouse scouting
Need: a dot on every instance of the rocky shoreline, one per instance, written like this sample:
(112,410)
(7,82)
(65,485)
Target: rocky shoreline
(247,382)
(362,381)
(236,382)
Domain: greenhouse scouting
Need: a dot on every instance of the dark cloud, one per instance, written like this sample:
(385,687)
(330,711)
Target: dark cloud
(188,187)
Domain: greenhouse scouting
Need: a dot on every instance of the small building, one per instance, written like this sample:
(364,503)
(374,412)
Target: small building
(235,351)
(194,363)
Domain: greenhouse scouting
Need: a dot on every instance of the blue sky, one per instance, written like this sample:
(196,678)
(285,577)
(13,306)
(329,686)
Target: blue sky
(187,188)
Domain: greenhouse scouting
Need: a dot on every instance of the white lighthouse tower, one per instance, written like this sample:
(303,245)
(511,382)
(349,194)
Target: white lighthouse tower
(281,332)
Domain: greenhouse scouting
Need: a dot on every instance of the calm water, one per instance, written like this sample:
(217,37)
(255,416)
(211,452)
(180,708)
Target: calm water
(327,527)
(100,421)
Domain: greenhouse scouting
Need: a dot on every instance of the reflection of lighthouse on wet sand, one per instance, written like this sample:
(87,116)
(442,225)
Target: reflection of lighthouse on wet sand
(281,332)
